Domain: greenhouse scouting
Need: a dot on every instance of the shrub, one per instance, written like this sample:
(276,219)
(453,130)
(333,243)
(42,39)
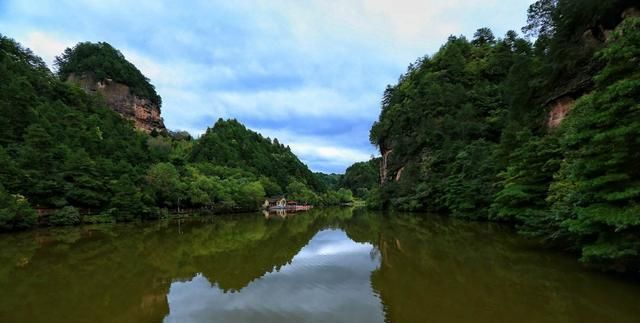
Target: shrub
(15,212)
(68,215)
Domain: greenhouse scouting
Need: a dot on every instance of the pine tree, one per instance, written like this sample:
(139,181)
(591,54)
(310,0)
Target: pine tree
(597,192)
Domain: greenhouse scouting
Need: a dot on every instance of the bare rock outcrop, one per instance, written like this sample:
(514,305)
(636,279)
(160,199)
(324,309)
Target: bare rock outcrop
(144,114)
(560,104)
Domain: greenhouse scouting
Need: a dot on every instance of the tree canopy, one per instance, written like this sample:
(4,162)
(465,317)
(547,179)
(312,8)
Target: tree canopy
(465,131)
(103,61)
(64,149)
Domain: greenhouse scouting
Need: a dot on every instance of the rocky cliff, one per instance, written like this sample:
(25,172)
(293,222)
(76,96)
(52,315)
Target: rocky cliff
(391,165)
(144,113)
(595,37)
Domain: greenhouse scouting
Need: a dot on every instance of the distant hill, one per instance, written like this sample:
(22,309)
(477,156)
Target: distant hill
(231,144)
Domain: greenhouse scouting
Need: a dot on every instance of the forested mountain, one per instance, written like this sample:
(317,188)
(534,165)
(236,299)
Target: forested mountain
(105,62)
(544,134)
(100,69)
(361,177)
(66,150)
(230,144)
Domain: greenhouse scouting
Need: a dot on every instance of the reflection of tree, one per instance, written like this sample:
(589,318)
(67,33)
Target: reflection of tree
(123,272)
(444,270)
(431,269)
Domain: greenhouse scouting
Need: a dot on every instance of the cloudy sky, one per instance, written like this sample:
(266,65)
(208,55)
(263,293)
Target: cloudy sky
(310,73)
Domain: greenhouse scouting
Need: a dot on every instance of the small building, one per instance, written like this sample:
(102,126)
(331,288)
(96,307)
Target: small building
(275,202)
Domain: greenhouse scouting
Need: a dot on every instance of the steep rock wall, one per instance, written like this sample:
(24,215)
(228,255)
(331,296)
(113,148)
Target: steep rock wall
(144,114)
(560,105)
(384,164)
(558,111)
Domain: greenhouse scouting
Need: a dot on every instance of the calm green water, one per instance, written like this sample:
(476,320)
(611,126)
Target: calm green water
(322,266)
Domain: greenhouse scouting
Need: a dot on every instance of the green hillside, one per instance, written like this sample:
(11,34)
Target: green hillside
(467,131)
(66,152)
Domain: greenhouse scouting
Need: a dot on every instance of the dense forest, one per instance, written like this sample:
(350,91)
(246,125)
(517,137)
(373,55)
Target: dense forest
(469,130)
(65,151)
(361,177)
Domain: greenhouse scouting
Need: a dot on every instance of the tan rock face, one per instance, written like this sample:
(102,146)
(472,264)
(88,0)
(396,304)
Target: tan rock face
(559,110)
(384,171)
(144,114)
(399,174)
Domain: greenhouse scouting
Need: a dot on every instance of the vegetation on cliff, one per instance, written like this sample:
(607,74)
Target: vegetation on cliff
(464,131)
(63,149)
(102,61)
(230,144)
(361,177)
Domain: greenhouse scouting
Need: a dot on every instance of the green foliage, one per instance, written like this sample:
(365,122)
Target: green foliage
(444,122)
(15,212)
(595,195)
(569,33)
(229,143)
(340,197)
(64,149)
(165,185)
(361,177)
(464,131)
(251,195)
(345,195)
(329,181)
(300,192)
(105,62)
(68,215)
(126,203)
(374,200)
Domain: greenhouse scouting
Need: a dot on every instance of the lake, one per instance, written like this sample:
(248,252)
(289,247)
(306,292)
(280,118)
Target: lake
(327,265)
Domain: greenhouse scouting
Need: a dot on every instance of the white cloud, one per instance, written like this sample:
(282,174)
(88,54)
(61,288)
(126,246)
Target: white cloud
(46,45)
(330,155)
(264,59)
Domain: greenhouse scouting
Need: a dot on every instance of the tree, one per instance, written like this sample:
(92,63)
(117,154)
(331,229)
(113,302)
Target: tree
(525,184)
(66,216)
(84,187)
(252,195)
(345,195)
(302,193)
(164,181)
(540,22)
(15,212)
(160,148)
(231,144)
(105,62)
(38,156)
(483,36)
(127,199)
(596,195)
(361,177)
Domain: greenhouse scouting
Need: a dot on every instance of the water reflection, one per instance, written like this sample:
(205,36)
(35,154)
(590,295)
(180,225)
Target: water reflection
(331,265)
(327,281)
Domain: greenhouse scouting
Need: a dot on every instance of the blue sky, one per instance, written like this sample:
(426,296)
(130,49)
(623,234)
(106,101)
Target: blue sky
(310,73)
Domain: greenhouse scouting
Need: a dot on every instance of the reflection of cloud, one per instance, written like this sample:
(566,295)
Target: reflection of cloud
(328,281)
(332,243)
